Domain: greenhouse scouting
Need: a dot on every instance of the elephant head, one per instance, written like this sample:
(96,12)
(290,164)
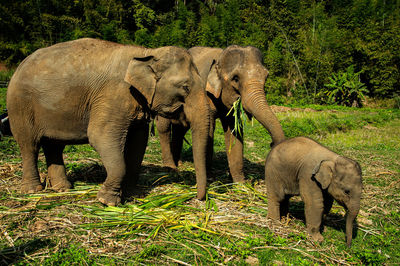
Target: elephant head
(342,179)
(172,86)
(239,72)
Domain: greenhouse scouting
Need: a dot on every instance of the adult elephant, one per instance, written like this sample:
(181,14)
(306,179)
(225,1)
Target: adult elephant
(102,93)
(229,74)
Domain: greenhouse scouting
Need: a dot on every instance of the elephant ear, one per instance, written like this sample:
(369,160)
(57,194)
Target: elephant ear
(323,173)
(142,76)
(213,81)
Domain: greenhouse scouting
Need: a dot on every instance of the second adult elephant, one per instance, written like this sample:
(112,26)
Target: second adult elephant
(229,74)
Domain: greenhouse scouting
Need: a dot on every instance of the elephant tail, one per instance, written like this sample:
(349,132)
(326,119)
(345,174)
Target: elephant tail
(5,129)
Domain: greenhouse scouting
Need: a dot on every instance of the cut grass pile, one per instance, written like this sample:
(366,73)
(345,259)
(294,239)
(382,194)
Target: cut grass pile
(165,224)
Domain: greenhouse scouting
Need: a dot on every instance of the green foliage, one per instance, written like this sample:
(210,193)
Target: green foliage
(6,75)
(230,227)
(345,88)
(239,115)
(322,123)
(71,255)
(369,256)
(396,99)
(3,93)
(150,252)
(8,147)
(303,42)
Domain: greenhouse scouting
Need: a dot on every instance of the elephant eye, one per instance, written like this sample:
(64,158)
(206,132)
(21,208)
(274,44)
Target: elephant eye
(347,191)
(235,78)
(186,88)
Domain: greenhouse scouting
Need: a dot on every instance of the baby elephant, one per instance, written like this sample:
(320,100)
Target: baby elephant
(302,166)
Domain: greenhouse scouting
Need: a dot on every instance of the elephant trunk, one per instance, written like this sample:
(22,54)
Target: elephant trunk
(199,118)
(255,103)
(350,217)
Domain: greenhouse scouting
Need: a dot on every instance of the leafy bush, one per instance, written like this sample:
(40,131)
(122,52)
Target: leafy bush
(345,88)
(5,75)
(396,99)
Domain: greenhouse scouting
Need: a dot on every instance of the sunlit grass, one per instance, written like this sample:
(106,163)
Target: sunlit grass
(166,224)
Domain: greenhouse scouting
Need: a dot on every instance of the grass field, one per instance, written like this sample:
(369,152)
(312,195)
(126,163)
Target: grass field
(165,224)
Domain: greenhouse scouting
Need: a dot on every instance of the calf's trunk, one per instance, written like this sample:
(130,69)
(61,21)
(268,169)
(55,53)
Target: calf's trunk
(350,217)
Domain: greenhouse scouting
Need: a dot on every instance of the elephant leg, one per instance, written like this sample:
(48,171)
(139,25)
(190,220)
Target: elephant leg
(328,202)
(164,131)
(210,146)
(273,208)
(314,207)
(178,134)
(134,151)
(278,202)
(284,206)
(55,166)
(313,214)
(30,177)
(110,146)
(234,151)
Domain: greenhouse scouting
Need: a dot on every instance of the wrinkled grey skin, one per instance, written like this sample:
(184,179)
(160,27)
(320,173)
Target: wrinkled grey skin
(302,166)
(229,74)
(102,93)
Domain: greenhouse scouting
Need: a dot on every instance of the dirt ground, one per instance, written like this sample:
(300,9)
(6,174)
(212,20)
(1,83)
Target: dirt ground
(3,67)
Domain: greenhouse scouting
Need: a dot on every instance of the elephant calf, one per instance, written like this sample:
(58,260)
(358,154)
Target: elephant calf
(302,166)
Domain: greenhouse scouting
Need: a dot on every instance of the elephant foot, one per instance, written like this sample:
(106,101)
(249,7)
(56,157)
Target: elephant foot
(273,208)
(108,197)
(169,163)
(31,188)
(171,166)
(317,237)
(60,184)
(273,216)
(238,178)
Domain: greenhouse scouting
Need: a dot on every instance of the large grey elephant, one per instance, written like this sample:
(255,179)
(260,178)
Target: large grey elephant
(102,93)
(229,74)
(302,166)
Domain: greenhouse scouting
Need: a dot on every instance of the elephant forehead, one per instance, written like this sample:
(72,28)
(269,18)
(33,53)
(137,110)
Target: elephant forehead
(179,79)
(231,59)
(255,72)
(174,54)
(170,63)
(178,71)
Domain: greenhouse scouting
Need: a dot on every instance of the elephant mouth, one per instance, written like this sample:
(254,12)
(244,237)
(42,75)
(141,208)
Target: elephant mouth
(170,112)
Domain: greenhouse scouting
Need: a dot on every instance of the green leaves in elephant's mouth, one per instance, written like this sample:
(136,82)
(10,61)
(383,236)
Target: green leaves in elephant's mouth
(240,117)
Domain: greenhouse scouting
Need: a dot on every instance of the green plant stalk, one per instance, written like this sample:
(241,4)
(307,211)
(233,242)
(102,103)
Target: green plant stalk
(239,115)
(153,212)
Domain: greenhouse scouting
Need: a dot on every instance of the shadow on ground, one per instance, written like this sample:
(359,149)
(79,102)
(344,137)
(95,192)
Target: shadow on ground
(220,168)
(13,254)
(151,176)
(332,220)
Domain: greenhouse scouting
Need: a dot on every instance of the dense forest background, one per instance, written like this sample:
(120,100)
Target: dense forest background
(315,50)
